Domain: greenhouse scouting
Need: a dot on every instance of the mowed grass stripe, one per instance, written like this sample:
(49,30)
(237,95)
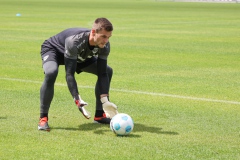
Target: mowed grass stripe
(135,92)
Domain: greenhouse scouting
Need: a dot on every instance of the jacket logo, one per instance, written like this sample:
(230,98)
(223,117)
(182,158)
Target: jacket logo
(95,50)
(45,57)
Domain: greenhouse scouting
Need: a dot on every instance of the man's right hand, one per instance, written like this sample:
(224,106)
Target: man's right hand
(81,106)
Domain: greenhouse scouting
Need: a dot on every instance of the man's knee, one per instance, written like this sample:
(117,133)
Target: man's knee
(50,70)
(109,70)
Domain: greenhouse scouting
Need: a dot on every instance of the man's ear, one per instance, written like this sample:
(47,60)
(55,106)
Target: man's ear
(93,31)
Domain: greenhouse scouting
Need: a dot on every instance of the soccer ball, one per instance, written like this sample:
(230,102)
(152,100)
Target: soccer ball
(121,124)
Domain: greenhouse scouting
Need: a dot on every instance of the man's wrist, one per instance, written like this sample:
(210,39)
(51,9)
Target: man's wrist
(103,95)
(104,99)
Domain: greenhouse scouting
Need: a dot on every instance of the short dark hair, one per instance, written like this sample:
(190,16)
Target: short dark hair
(102,23)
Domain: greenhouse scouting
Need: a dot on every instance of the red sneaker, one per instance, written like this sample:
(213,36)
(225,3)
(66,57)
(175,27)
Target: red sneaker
(102,120)
(43,124)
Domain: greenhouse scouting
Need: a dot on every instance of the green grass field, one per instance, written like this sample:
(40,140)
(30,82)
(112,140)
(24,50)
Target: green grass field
(176,73)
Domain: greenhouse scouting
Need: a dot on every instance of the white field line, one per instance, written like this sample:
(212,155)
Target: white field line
(134,92)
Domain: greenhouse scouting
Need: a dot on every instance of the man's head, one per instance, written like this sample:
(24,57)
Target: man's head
(102,24)
(101,32)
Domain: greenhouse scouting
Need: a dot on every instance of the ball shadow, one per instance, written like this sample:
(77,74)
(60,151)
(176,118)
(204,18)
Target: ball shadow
(103,128)
(138,127)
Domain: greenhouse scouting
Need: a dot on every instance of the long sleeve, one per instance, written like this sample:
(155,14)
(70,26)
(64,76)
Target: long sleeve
(70,68)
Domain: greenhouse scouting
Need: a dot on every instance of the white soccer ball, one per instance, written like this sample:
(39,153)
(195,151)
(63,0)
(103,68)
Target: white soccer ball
(121,124)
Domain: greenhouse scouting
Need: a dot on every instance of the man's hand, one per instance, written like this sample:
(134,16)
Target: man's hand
(81,106)
(109,108)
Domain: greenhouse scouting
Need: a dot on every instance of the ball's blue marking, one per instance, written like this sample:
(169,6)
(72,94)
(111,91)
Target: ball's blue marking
(117,126)
(128,129)
(124,118)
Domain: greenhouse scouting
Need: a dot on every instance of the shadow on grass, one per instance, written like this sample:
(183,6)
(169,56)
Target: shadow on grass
(102,128)
(3,118)
(144,128)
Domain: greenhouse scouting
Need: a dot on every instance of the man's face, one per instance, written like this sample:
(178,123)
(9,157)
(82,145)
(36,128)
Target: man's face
(101,38)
